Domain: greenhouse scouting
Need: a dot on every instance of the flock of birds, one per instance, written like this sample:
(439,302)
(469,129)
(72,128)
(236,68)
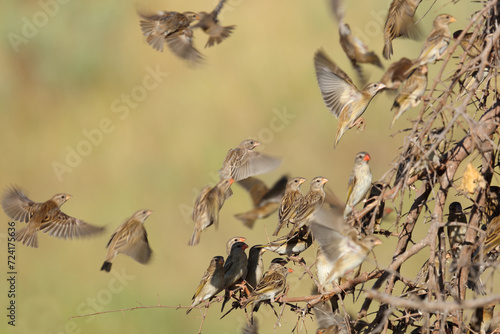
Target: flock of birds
(316,216)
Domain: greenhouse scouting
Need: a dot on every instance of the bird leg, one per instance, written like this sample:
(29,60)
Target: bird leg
(360,123)
(296,259)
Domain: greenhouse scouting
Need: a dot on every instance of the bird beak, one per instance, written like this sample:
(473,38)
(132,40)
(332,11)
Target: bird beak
(148,212)
(231,181)
(290,270)
(242,239)
(68,197)
(377,242)
(302,180)
(452,19)
(324,180)
(367,157)
(245,246)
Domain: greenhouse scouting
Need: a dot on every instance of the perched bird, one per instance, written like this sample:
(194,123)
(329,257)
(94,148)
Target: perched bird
(396,74)
(399,23)
(291,245)
(360,182)
(456,227)
(328,322)
(235,268)
(492,207)
(341,96)
(341,248)
(289,203)
(476,46)
(272,284)
(207,207)
(255,267)
(266,201)
(411,92)
(210,25)
(130,238)
(211,282)
(46,217)
(437,42)
(373,196)
(232,241)
(242,161)
(356,50)
(311,202)
(174,29)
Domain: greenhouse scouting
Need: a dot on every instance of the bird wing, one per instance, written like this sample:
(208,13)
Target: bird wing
(350,186)
(336,87)
(332,242)
(255,163)
(64,226)
(271,281)
(276,192)
(217,9)
(204,279)
(180,43)
(257,188)
(133,242)
(19,207)
(200,203)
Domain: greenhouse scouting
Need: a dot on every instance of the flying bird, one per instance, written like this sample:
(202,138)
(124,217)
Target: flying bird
(341,96)
(210,24)
(46,217)
(396,74)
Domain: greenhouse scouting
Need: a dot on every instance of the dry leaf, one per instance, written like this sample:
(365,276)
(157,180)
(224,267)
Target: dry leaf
(472,180)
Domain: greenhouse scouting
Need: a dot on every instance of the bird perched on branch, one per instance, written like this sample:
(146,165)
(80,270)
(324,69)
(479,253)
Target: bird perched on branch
(174,29)
(341,96)
(289,203)
(311,202)
(242,162)
(207,207)
(130,238)
(255,266)
(292,245)
(411,92)
(360,182)
(400,22)
(232,241)
(212,282)
(266,201)
(210,24)
(46,217)
(235,268)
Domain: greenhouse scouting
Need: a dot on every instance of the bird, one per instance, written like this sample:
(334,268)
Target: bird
(437,42)
(209,23)
(311,202)
(328,322)
(266,201)
(235,268)
(341,96)
(341,248)
(211,282)
(291,245)
(476,46)
(255,267)
(232,241)
(400,22)
(130,238)
(456,227)
(359,182)
(492,239)
(207,207)
(174,29)
(242,162)
(411,92)
(356,50)
(396,74)
(289,203)
(378,210)
(272,284)
(46,217)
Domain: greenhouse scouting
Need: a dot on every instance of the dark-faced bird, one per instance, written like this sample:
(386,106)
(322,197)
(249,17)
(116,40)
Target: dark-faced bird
(400,22)
(130,238)
(341,96)
(265,200)
(46,217)
(212,282)
(360,182)
(242,162)
(456,227)
(174,29)
(289,203)
(235,269)
(255,267)
(207,207)
(210,24)
(411,92)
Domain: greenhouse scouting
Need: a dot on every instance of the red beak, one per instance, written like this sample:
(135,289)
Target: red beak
(367,157)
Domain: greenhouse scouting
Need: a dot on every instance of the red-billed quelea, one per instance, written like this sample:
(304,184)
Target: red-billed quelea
(207,207)
(341,96)
(289,203)
(230,242)
(311,202)
(209,23)
(399,23)
(46,217)
(242,162)
(235,269)
(130,238)
(360,182)
(255,266)
(212,282)
(174,29)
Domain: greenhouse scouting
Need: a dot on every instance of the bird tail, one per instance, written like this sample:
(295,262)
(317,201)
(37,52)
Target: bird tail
(195,238)
(387,49)
(247,218)
(189,310)
(106,266)
(221,35)
(374,59)
(27,237)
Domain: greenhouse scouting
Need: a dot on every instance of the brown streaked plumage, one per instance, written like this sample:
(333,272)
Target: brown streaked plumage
(396,74)
(46,217)
(311,202)
(291,245)
(212,282)
(341,96)
(289,203)
(209,23)
(130,238)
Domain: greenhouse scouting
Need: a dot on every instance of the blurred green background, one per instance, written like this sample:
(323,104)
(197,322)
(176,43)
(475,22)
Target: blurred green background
(72,75)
